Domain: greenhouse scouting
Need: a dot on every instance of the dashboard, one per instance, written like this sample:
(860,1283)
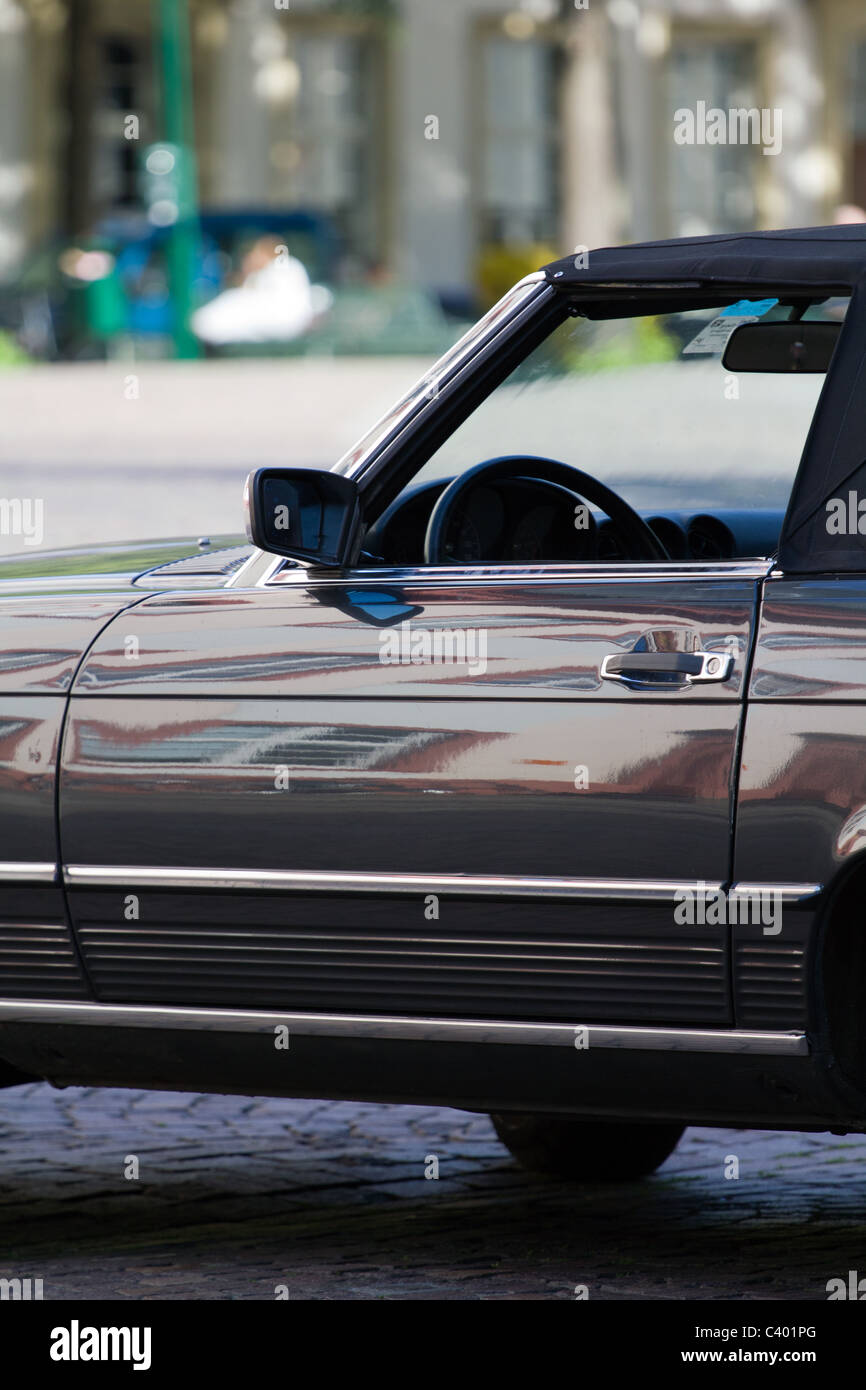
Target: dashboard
(534,521)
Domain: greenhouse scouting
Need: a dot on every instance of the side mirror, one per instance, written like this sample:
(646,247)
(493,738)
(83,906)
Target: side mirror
(305,513)
(781,347)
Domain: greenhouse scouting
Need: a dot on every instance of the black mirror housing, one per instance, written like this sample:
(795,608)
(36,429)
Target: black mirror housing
(781,347)
(304,513)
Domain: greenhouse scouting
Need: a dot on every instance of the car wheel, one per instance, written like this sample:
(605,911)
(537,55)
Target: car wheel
(586,1150)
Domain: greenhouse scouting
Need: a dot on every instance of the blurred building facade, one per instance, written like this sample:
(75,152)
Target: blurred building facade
(437,134)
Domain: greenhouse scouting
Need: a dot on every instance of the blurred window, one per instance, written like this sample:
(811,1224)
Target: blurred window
(328,162)
(122,79)
(518,146)
(712,187)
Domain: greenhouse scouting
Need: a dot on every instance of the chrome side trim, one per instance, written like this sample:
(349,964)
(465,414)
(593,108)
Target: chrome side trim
(27,873)
(787,892)
(314,881)
(284,572)
(469,885)
(14,1011)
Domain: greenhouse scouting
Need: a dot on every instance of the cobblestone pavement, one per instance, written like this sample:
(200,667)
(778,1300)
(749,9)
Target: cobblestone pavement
(237,1196)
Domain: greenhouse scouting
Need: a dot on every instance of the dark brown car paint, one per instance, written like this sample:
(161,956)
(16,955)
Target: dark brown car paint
(169,759)
(407,768)
(433,769)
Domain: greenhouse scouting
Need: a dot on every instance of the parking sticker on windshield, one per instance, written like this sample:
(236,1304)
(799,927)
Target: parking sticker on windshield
(714,335)
(748,306)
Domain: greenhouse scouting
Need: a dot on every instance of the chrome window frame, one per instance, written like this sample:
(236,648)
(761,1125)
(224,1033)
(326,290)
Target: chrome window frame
(287,573)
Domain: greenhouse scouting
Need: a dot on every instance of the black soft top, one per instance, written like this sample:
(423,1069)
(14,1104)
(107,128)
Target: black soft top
(801,255)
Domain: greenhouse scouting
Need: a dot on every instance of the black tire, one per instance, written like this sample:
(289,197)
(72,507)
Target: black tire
(587,1150)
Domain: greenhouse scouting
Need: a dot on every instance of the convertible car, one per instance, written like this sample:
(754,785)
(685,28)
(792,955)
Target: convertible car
(516,763)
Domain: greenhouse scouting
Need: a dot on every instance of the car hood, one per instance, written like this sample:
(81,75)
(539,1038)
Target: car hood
(136,566)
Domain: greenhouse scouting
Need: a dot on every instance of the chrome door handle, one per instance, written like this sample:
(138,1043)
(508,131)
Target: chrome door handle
(639,668)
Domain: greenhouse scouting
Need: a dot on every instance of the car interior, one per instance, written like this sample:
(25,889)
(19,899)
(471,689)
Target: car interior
(522,520)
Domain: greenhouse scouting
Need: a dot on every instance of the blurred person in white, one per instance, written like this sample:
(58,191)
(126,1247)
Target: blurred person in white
(275,301)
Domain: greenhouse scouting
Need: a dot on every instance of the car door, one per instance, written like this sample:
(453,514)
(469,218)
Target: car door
(472,788)
(412,792)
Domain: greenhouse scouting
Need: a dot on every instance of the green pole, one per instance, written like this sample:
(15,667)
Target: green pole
(176,71)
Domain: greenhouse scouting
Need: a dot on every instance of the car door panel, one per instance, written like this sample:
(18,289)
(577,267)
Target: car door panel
(261,732)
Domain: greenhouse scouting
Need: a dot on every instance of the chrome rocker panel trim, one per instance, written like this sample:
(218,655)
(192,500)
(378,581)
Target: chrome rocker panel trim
(790,1044)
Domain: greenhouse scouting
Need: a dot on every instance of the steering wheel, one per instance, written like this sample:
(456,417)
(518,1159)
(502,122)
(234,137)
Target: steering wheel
(633,527)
